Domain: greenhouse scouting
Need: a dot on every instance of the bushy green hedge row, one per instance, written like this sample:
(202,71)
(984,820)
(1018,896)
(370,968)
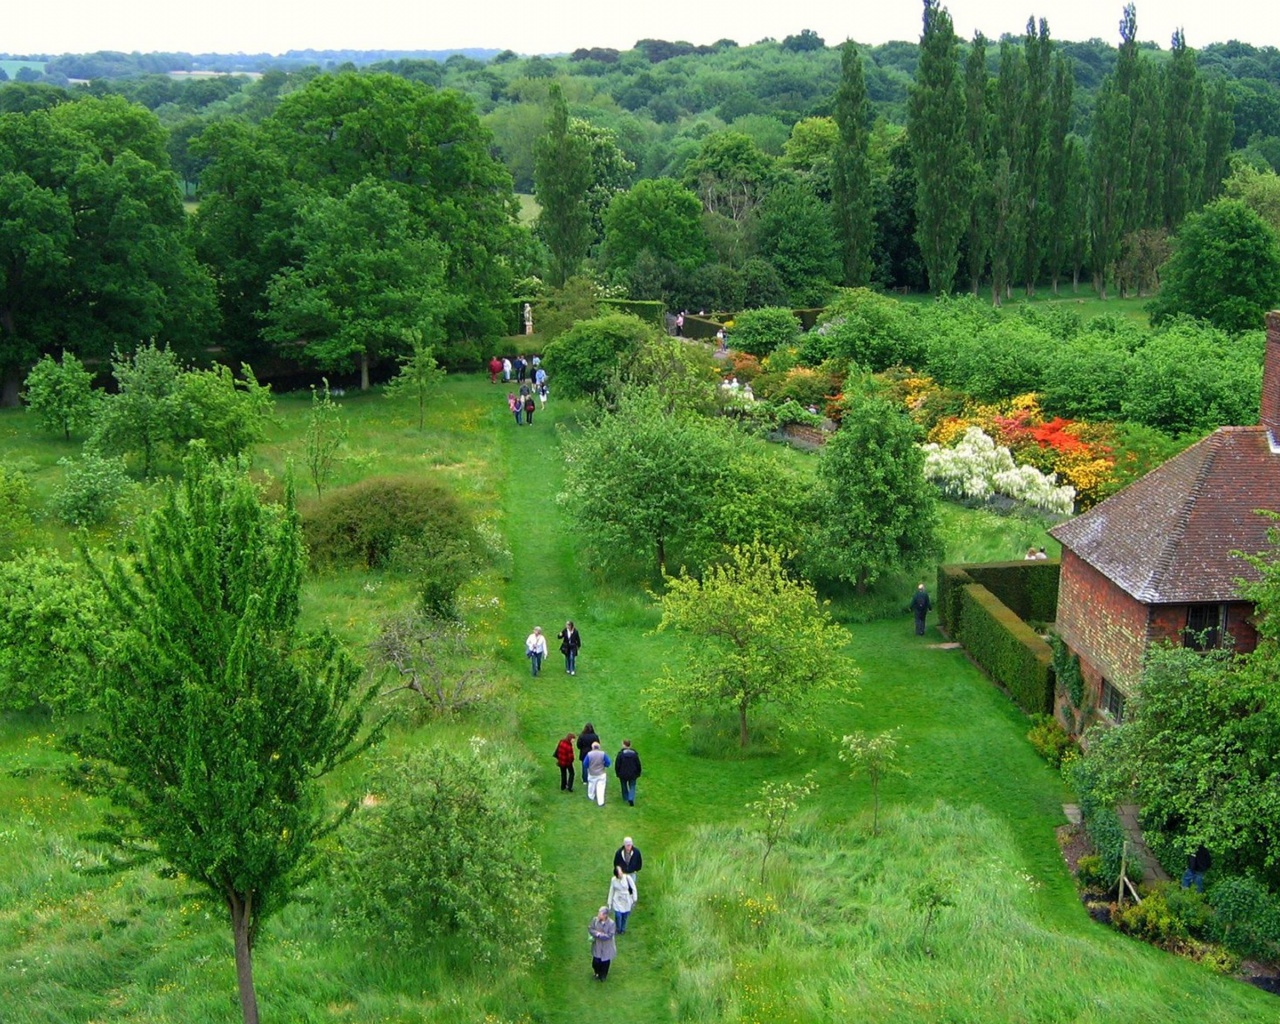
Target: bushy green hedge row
(650,311)
(952,579)
(1007,648)
(1028,588)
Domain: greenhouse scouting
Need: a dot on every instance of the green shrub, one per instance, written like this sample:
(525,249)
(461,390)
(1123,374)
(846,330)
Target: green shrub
(1246,917)
(1050,739)
(91,491)
(397,523)
(61,394)
(15,510)
(1151,920)
(1007,648)
(1091,874)
(760,331)
(1191,907)
(650,310)
(443,851)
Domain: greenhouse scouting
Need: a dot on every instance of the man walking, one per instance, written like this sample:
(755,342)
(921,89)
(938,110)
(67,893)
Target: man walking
(920,607)
(627,767)
(595,767)
(628,857)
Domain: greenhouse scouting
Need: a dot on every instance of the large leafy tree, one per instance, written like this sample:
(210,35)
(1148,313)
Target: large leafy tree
(642,481)
(366,281)
(943,160)
(562,177)
(878,511)
(1225,269)
(217,717)
(426,146)
(590,354)
(757,637)
(94,249)
(795,235)
(658,216)
(851,169)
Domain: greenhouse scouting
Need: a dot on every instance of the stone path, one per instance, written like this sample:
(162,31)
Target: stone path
(1151,869)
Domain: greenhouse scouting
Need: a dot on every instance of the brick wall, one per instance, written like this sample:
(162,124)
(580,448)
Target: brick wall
(1102,624)
(1169,620)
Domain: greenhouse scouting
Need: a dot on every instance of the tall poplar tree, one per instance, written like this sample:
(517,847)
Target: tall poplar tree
(1058,181)
(562,179)
(851,171)
(977,128)
(1008,212)
(1184,143)
(1032,151)
(1219,130)
(942,158)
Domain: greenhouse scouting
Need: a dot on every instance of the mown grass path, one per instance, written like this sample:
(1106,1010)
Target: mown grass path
(965,741)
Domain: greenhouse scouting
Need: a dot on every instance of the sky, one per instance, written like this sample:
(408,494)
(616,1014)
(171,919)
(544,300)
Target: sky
(559,26)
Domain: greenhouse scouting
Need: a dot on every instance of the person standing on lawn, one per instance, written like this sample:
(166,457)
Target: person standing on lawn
(495,368)
(570,641)
(622,897)
(627,767)
(628,857)
(603,948)
(535,649)
(516,406)
(566,759)
(529,406)
(920,607)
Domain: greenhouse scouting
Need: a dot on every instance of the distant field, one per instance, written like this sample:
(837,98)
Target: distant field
(12,67)
(529,208)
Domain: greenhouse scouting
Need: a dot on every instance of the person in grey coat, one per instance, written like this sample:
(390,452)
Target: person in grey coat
(603,948)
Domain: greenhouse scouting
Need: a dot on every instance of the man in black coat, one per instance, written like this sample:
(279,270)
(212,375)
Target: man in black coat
(920,607)
(627,767)
(628,857)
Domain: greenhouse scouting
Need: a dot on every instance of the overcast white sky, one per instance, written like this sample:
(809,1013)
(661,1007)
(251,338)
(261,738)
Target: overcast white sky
(556,26)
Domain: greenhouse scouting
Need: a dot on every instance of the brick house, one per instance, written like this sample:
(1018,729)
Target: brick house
(1154,561)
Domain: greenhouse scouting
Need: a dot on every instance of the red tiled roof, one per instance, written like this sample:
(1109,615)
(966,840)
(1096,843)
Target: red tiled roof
(1167,538)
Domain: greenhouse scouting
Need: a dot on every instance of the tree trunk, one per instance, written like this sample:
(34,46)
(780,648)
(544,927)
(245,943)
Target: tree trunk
(11,387)
(742,731)
(241,916)
(662,557)
(364,370)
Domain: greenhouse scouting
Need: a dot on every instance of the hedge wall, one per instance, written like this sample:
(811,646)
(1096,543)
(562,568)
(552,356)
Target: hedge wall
(1007,648)
(1029,588)
(952,579)
(652,311)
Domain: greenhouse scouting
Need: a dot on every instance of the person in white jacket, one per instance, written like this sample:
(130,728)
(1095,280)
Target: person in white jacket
(535,649)
(622,897)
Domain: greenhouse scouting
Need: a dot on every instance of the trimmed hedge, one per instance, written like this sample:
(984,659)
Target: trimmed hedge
(1007,648)
(1029,588)
(649,310)
(952,579)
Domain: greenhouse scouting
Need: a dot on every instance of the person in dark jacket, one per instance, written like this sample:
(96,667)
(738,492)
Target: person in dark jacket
(628,857)
(627,767)
(530,406)
(1197,864)
(570,641)
(565,759)
(585,739)
(920,607)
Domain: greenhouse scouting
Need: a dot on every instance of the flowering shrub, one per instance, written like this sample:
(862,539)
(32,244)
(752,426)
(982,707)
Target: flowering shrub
(979,468)
(745,367)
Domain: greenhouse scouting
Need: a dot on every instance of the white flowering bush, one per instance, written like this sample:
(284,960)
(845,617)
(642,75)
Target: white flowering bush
(979,468)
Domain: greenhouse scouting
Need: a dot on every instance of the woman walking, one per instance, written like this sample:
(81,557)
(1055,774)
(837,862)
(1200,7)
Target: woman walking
(565,759)
(603,948)
(622,897)
(570,641)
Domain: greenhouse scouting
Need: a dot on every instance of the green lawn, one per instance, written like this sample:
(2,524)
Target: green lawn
(829,936)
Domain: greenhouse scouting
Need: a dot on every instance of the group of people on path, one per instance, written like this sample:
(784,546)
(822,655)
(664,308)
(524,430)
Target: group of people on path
(595,764)
(535,648)
(584,752)
(521,403)
(622,899)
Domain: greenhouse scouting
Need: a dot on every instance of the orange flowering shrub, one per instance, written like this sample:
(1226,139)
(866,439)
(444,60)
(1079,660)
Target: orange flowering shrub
(745,367)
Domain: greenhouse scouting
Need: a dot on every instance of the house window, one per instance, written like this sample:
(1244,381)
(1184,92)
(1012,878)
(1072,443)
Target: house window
(1205,626)
(1112,701)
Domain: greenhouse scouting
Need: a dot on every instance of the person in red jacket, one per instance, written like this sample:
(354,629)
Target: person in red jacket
(566,756)
(495,368)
